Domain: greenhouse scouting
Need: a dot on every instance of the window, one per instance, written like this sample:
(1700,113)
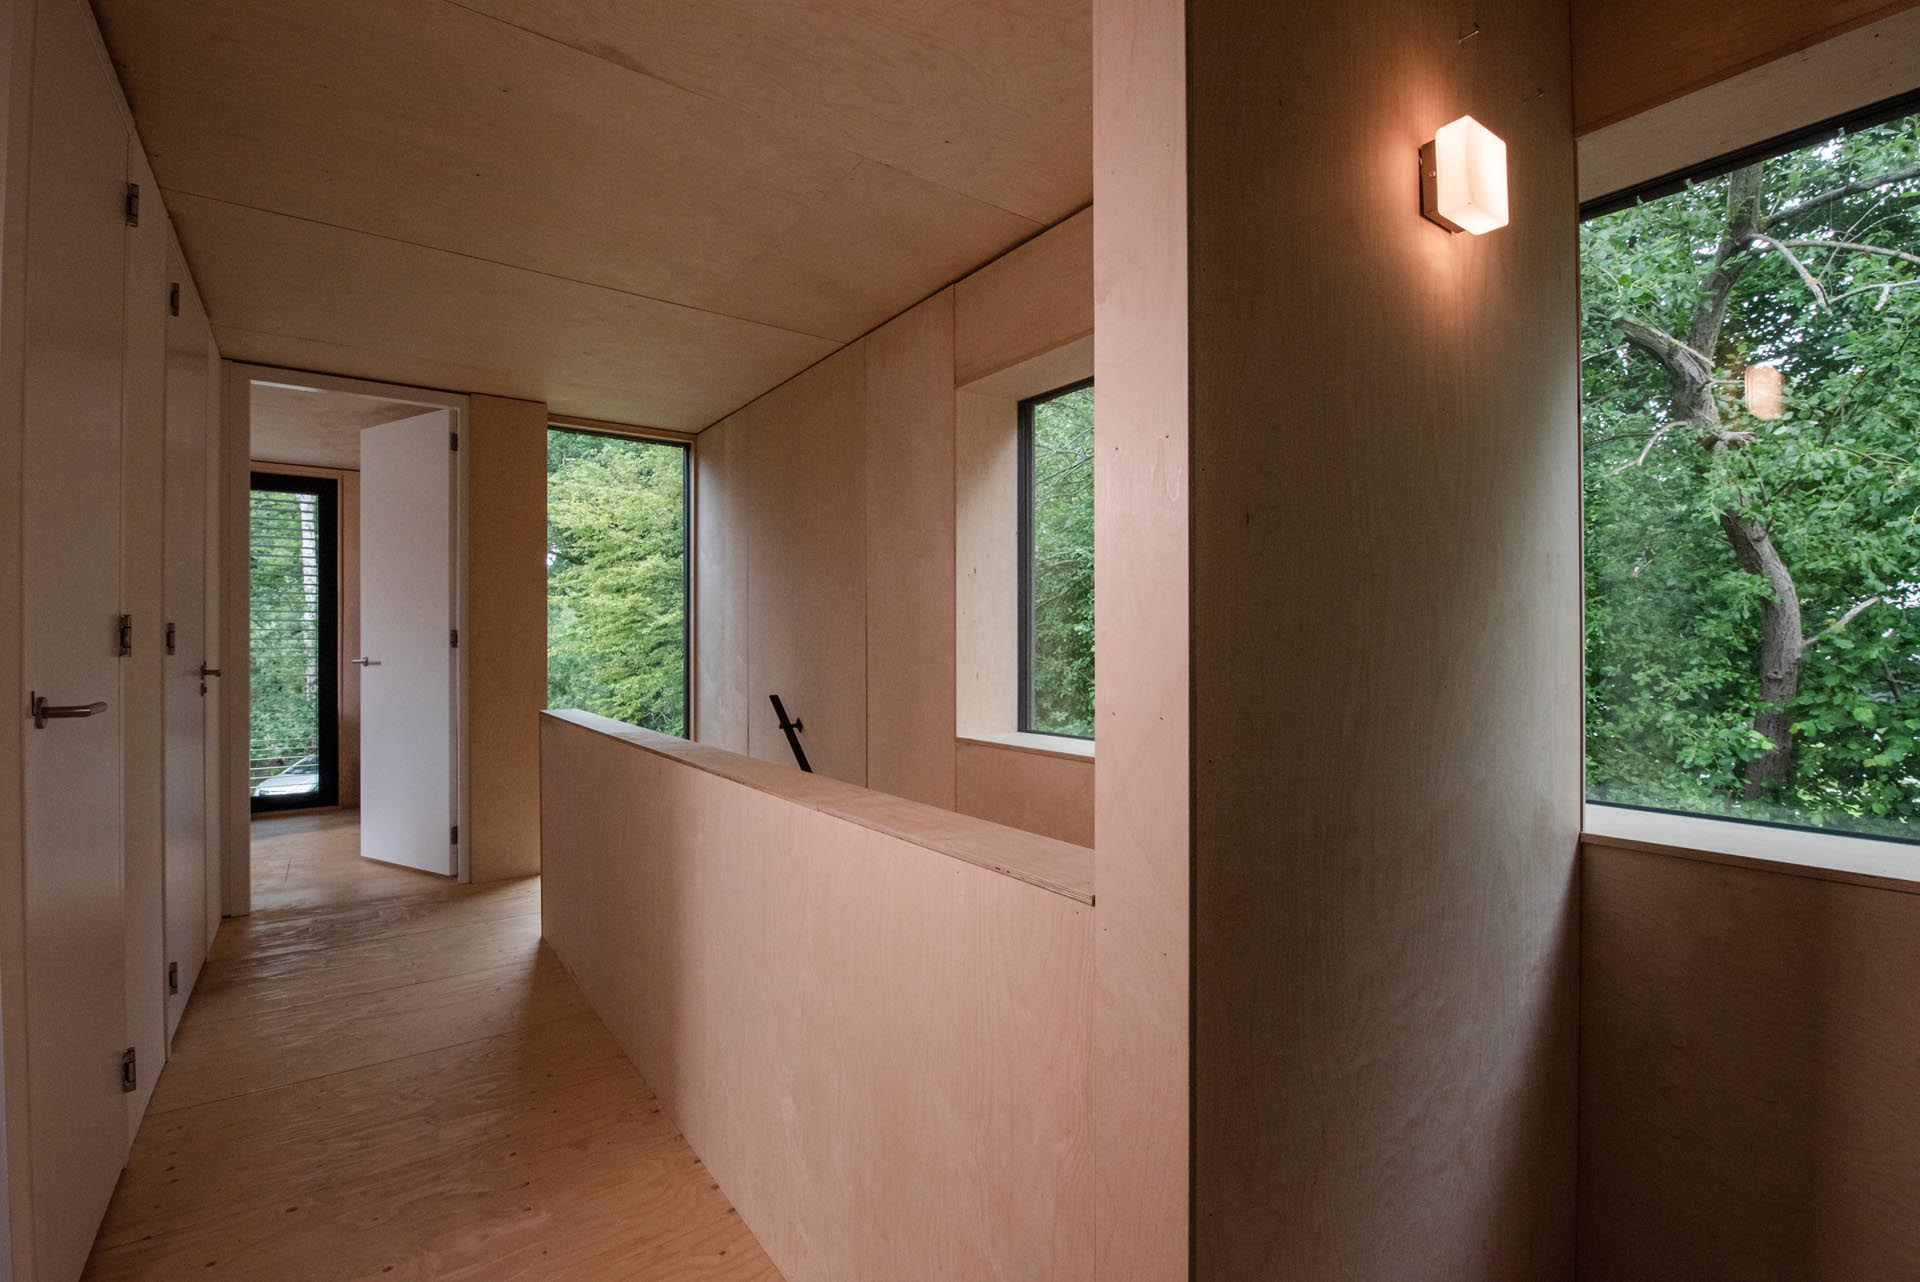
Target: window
(1056,562)
(292,565)
(617,577)
(1751,407)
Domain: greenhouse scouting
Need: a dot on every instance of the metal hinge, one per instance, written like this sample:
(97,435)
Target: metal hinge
(453,441)
(170,639)
(173,977)
(454,835)
(453,638)
(173,298)
(126,635)
(133,220)
(129,1071)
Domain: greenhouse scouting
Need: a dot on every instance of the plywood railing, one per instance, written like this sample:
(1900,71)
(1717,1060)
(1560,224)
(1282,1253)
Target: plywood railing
(871,1018)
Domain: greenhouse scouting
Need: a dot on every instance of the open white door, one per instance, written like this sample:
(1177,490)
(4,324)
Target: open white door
(76,996)
(407,801)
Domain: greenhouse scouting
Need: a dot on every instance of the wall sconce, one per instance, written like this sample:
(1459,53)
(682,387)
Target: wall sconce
(1766,391)
(1463,178)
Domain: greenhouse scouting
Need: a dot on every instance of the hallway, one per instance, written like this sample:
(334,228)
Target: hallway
(385,1075)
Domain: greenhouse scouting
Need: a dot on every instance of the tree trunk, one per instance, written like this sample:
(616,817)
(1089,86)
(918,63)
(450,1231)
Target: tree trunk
(1781,645)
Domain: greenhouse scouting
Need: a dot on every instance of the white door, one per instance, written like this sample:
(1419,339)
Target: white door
(406,643)
(75,943)
(184,698)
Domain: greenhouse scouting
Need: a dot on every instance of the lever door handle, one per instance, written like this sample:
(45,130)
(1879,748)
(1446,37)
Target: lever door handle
(364,663)
(44,712)
(205,671)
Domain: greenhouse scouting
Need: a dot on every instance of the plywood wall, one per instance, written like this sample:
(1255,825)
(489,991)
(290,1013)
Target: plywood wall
(827,533)
(1750,1058)
(1629,55)
(1044,792)
(1385,612)
(1143,766)
(506,637)
(879,1051)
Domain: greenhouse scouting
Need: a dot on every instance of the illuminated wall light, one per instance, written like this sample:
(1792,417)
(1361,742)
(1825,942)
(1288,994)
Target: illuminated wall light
(1766,388)
(1463,178)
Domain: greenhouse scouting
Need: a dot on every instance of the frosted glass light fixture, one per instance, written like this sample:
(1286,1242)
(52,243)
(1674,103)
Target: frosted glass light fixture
(1463,178)
(1766,388)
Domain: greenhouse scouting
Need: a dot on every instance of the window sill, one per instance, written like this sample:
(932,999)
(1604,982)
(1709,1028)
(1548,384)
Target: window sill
(1890,865)
(1045,745)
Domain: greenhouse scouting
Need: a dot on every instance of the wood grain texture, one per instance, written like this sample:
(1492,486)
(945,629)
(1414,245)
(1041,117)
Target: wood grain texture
(1631,55)
(1750,1054)
(801,455)
(881,1053)
(807,169)
(1029,790)
(506,525)
(304,295)
(1142,705)
(721,540)
(1025,303)
(1385,817)
(427,1103)
(317,428)
(909,457)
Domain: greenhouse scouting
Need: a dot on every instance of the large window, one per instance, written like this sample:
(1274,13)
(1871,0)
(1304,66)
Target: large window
(1751,390)
(292,565)
(617,577)
(1056,559)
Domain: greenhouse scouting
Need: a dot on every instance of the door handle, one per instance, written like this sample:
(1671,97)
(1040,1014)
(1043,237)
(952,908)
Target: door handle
(205,671)
(44,712)
(364,663)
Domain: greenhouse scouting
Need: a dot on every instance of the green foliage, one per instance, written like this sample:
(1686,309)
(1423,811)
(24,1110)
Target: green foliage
(616,578)
(284,624)
(1673,620)
(1062,564)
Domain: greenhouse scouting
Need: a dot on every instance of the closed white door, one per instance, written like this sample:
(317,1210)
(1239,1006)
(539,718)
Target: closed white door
(406,643)
(184,699)
(75,936)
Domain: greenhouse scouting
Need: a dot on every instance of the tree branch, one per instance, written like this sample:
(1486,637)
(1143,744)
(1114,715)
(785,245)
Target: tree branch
(1807,643)
(1819,294)
(1859,187)
(1853,245)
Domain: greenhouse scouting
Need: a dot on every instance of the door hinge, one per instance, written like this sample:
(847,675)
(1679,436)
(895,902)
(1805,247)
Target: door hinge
(453,638)
(129,1071)
(171,648)
(133,220)
(453,834)
(126,635)
(453,441)
(173,977)
(173,298)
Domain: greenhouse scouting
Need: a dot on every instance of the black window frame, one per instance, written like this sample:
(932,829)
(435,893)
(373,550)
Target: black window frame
(1024,521)
(686,547)
(326,490)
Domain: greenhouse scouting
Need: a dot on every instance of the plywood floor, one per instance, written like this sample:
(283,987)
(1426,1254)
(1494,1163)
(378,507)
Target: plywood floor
(386,1076)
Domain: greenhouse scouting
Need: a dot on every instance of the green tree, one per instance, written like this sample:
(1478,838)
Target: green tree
(616,578)
(284,625)
(1062,564)
(1753,584)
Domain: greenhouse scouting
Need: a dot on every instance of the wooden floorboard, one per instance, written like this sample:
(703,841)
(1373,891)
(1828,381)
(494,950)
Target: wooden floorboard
(387,1076)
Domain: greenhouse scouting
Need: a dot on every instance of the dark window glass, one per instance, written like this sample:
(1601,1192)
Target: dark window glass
(1056,554)
(1751,408)
(292,567)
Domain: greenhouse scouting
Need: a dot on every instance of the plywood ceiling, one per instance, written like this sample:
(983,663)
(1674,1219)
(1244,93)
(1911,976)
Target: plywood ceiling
(318,429)
(646,211)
